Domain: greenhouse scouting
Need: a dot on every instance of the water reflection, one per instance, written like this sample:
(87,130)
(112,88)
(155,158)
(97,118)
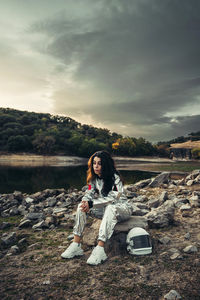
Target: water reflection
(30,180)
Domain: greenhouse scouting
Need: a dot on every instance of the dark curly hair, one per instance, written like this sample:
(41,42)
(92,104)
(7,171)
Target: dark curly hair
(108,170)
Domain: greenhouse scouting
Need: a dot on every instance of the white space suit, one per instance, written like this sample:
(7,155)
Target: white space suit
(115,208)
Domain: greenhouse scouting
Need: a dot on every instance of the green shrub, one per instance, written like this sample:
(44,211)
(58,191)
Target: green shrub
(196,153)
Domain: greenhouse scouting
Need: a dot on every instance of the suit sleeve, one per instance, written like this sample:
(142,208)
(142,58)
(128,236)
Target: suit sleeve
(89,194)
(118,184)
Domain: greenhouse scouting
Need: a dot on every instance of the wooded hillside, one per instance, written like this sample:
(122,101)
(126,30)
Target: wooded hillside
(23,131)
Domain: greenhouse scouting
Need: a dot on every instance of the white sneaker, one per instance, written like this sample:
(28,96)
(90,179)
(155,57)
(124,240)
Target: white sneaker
(73,250)
(97,256)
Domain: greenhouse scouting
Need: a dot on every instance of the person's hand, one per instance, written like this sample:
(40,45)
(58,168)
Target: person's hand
(85,206)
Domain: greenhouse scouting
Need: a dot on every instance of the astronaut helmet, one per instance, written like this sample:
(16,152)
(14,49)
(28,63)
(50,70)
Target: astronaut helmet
(138,242)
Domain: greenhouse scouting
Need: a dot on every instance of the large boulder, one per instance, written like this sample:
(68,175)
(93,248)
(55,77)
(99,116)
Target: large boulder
(162,216)
(117,243)
(134,221)
(160,179)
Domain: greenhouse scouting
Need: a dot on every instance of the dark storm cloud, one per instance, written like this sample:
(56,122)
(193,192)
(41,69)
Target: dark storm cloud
(186,123)
(140,58)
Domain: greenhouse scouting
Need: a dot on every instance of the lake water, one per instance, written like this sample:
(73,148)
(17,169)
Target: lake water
(33,179)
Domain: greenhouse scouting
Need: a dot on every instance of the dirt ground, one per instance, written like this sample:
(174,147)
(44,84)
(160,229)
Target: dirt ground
(40,273)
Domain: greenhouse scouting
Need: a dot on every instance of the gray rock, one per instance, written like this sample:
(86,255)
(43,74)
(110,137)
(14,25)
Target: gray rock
(67,203)
(187,236)
(22,210)
(33,209)
(181,182)
(197,179)
(40,225)
(58,210)
(194,201)
(190,249)
(141,205)
(173,250)
(176,255)
(165,240)
(84,188)
(13,250)
(185,207)
(68,217)
(49,221)
(195,172)
(90,234)
(25,224)
(192,176)
(37,196)
(18,196)
(178,202)
(172,295)
(130,194)
(134,221)
(190,182)
(162,216)
(189,177)
(29,200)
(182,191)
(34,216)
(5,213)
(9,239)
(143,183)
(153,203)
(176,182)
(14,211)
(61,197)
(51,201)
(22,242)
(163,196)
(141,212)
(160,179)
(172,186)
(48,210)
(135,210)
(142,198)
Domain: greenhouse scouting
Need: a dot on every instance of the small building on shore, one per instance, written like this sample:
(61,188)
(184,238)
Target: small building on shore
(183,150)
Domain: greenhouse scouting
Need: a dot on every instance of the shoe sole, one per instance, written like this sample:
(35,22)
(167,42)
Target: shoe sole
(80,254)
(93,264)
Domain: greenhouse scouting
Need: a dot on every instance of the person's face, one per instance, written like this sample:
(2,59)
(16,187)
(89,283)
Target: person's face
(97,165)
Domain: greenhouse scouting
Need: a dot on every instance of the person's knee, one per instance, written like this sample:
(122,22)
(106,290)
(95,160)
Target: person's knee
(110,210)
(79,209)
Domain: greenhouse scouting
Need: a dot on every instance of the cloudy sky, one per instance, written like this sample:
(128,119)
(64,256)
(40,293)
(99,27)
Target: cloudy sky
(132,66)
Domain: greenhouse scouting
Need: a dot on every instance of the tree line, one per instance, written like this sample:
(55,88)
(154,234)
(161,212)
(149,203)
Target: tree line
(41,133)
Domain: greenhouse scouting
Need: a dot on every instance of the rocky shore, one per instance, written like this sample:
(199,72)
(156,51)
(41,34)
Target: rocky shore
(35,228)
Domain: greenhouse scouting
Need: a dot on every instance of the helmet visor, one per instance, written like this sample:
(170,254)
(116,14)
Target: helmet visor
(141,241)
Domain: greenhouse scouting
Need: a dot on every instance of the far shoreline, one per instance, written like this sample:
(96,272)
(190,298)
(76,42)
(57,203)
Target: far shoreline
(38,159)
(147,164)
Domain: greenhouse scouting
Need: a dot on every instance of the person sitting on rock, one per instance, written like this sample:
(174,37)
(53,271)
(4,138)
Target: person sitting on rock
(105,192)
